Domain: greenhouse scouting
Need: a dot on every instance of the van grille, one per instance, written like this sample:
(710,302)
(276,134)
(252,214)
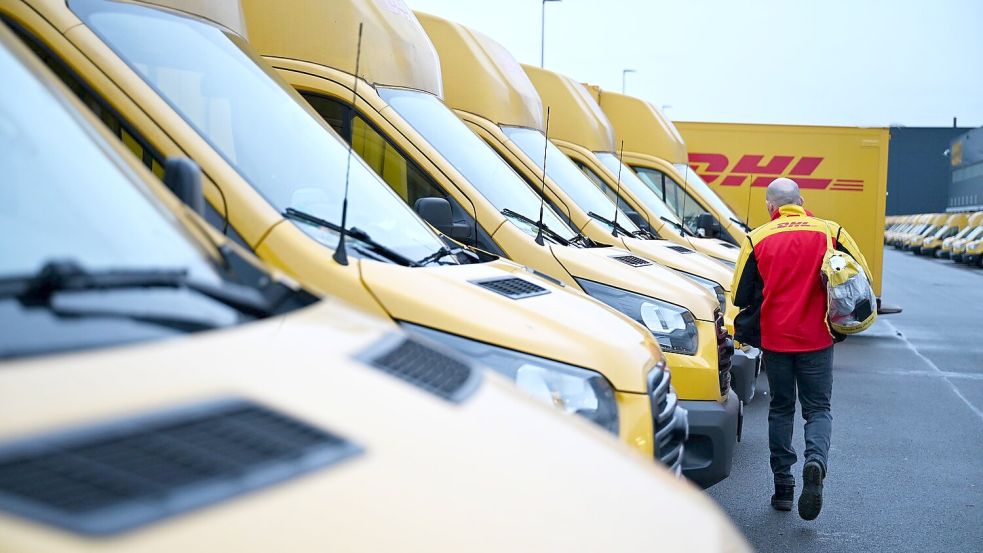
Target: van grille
(512,287)
(632,260)
(669,421)
(115,476)
(725,351)
(427,368)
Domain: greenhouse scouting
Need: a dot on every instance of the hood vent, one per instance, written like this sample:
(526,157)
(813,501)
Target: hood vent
(512,287)
(632,260)
(115,476)
(680,249)
(440,374)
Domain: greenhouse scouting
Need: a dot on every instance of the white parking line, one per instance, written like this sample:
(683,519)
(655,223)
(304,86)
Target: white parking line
(934,367)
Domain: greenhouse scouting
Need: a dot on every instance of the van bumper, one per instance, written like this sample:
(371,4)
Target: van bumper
(744,369)
(709,452)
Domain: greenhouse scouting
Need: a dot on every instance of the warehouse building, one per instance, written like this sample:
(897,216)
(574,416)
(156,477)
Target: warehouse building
(966,159)
(919,171)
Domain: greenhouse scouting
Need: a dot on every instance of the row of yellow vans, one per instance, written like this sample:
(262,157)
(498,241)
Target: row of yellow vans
(955,236)
(154,366)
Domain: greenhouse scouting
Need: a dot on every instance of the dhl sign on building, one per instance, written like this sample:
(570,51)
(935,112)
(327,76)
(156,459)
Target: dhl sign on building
(842,172)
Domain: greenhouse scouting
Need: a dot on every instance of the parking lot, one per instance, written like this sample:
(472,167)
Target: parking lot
(905,466)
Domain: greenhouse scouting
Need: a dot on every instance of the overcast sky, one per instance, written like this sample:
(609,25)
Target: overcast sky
(833,62)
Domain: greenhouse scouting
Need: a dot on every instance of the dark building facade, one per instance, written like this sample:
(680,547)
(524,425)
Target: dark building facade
(966,186)
(919,169)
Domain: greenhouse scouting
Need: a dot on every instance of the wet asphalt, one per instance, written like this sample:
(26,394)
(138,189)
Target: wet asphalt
(906,462)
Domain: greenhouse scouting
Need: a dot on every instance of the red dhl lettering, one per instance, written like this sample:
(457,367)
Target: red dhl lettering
(792,224)
(759,171)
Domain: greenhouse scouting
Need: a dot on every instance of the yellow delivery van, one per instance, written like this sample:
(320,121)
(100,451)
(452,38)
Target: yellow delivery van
(975,220)
(161,391)
(276,180)
(918,223)
(842,172)
(914,241)
(655,150)
(932,243)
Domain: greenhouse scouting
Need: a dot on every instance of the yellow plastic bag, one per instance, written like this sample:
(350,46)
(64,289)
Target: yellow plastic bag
(851,306)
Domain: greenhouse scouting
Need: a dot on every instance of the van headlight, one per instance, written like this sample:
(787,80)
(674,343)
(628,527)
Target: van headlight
(710,285)
(674,327)
(572,389)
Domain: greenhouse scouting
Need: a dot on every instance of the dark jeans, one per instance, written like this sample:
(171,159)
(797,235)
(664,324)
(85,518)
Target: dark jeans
(812,374)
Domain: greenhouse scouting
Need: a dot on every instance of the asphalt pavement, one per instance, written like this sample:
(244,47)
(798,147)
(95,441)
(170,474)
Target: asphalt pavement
(906,462)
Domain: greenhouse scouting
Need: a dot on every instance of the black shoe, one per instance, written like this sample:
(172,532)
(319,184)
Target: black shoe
(811,500)
(784,494)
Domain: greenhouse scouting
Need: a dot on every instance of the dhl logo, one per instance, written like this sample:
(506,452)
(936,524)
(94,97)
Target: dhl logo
(714,167)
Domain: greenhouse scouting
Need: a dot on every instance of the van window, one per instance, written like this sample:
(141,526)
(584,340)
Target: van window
(133,141)
(603,186)
(679,200)
(401,174)
(589,195)
(258,124)
(382,156)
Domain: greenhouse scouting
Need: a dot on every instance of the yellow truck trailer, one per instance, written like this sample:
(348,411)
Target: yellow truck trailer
(842,172)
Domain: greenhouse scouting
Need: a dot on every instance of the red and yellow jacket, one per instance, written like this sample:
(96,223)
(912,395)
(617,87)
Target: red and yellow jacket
(777,282)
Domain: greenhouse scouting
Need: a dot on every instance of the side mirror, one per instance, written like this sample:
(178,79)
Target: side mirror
(707,226)
(437,212)
(183,177)
(637,218)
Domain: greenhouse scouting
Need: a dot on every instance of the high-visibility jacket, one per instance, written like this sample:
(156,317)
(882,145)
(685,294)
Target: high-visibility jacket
(777,282)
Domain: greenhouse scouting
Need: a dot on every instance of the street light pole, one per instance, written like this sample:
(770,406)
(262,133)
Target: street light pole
(542,31)
(624,73)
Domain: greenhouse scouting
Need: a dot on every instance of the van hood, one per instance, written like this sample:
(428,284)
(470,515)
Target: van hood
(681,258)
(653,280)
(715,247)
(563,324)
(416,453)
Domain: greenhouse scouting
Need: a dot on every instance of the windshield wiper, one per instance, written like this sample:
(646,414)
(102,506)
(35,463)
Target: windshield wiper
(444,251)
(679,226)
(612,224)
(353,232)
(742,223)
(68,276)
(546,229)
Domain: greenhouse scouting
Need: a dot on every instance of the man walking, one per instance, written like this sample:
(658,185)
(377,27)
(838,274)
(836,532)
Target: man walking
(782,298)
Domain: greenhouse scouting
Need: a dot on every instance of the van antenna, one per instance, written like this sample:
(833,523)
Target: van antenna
(341,253)
(617,196)
(747,211)
(542,193)
(682,210)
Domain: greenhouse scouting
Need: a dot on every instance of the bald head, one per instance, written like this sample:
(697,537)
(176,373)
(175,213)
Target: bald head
(782,191)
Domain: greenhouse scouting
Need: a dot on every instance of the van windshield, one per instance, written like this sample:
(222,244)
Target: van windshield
(87,254)
(565,174)
(641,190)
(256,122)
(694,181)
(474,159)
